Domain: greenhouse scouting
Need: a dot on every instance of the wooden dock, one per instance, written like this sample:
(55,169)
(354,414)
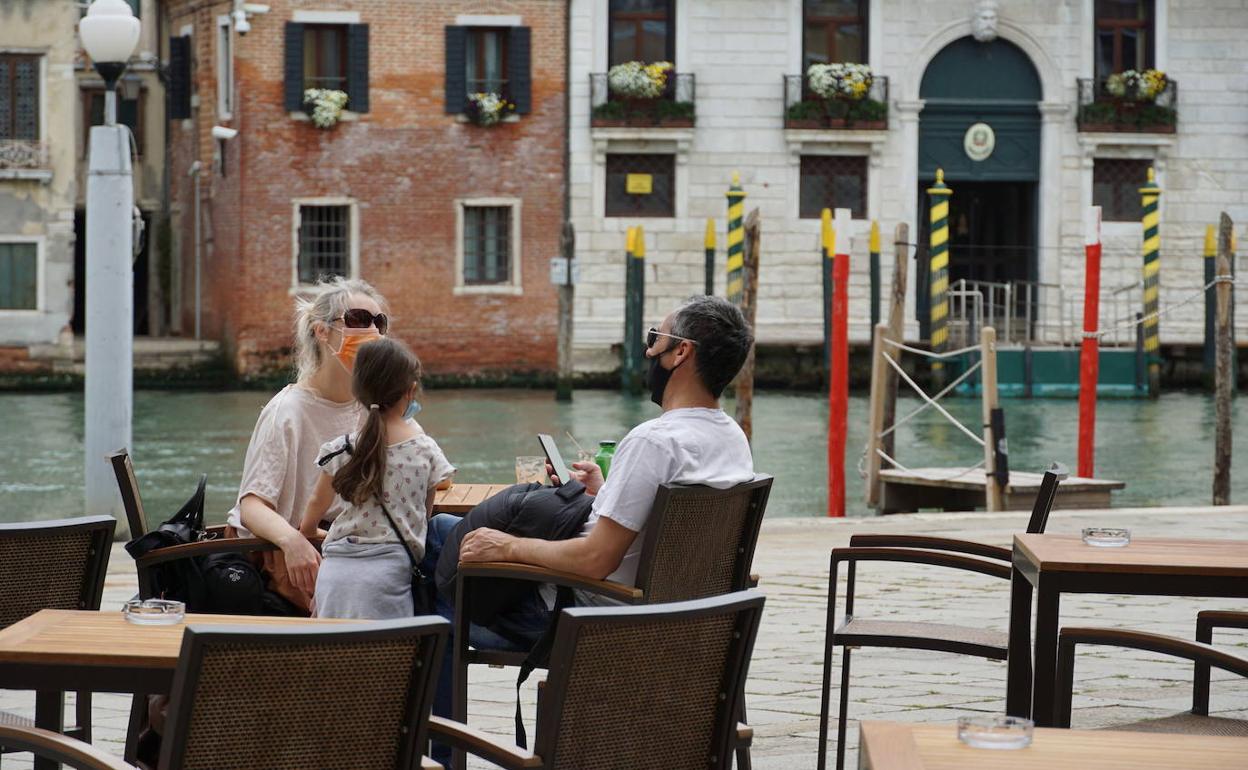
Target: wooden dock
(962,489)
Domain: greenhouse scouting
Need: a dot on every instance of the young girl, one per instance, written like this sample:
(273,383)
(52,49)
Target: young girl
(365,572)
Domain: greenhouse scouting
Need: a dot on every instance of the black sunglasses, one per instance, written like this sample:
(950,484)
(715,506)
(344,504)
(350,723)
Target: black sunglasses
(359,318)
(653,335)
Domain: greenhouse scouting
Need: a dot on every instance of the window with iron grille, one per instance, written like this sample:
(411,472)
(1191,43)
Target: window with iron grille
(1124,36)
(832,182)
(834,31)
(641,30)
(653,185)
(324,242)
(1116,187)
(325,56)
(19,276)
(487,245)
(485,57)
(19,97)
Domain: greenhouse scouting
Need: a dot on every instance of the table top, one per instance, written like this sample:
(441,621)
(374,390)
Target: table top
(1144,555)
(461,498)
(896,746)
(87,638)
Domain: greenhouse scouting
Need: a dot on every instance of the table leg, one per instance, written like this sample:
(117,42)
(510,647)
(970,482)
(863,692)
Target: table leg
(1018,677)
(49,715)
(1048,603)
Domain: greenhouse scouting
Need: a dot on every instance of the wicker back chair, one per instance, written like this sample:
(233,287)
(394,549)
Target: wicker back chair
(56,565)
(856,631)
(334,695)
(657,686)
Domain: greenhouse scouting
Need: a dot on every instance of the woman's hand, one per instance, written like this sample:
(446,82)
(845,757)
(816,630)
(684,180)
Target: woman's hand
(302,561)
(587,473)
(485,544)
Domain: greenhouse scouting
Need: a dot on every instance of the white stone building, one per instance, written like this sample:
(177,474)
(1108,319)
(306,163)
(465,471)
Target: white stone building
(1017,215)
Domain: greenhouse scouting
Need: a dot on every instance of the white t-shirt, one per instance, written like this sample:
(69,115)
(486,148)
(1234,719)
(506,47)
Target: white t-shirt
(280,467)
(413,467)
(682,446)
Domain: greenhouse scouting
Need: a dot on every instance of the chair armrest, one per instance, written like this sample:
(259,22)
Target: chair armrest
(216,531)
(516,571)
(210,547)
(69,751)
(428,764)
(479,744)
(933,544)
(920,556)
(1207,620)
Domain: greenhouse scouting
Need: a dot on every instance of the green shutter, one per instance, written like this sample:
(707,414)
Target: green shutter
(19,276)
(456,61)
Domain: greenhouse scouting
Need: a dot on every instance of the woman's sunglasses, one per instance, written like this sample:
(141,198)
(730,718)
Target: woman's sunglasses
(653,335)
(359,318)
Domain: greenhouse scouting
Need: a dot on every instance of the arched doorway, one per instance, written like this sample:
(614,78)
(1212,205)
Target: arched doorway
(981,124)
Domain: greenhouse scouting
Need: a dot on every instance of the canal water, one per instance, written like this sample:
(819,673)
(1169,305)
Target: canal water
(1162,449)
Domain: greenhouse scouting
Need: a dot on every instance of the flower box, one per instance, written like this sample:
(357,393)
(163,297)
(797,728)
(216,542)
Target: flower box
(1127,128)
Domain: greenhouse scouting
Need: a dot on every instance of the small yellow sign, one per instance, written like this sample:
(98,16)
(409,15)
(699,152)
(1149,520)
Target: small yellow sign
(639,184)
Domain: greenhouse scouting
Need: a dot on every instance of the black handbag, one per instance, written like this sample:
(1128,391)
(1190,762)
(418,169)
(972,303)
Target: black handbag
(423,589)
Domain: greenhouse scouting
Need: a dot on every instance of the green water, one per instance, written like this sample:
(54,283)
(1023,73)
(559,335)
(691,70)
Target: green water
(1162,449)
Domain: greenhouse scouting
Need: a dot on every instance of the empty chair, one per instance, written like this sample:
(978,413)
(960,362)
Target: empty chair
(56,565)
(644,688)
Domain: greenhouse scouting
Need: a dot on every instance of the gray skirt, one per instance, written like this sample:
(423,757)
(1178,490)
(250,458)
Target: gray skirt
(364,581)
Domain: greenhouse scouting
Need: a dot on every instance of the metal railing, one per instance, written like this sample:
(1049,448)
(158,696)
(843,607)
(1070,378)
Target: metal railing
(1021,312)
(1100,110)
(680,87)
(805,109)
(23,154)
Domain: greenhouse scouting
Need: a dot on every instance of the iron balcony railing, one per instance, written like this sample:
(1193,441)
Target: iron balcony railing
(804,108)
(23,154)
(1100,109)
(674,108)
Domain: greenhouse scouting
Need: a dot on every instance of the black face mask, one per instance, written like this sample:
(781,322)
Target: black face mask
(657,378)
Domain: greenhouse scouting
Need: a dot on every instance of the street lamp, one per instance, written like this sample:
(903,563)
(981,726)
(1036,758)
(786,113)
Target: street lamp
(109,34)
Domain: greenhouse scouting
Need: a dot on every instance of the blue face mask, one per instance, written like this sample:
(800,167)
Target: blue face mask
(413,409)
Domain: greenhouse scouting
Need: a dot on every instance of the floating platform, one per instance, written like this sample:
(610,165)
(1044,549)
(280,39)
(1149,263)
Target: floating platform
(1053,372)
(962,489)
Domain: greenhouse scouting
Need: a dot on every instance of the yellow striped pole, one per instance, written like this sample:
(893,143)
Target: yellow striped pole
(873,249)
(736,240)
(1149,194)
(827,241)
(710,256)
(633,348)
(938,272)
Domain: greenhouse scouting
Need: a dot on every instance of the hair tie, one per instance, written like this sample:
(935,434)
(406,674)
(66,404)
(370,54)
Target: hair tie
(373,407)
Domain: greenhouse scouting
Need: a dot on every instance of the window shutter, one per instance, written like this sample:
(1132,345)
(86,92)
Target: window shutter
(179,78)
(357,67)
(518,69)
(456,63)
(294,67)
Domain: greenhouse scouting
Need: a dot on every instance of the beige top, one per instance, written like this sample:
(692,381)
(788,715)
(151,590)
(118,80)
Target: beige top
(280,467)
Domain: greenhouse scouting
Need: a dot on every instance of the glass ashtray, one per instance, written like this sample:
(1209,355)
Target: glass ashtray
(154,612)
(993,732)
(1107,537)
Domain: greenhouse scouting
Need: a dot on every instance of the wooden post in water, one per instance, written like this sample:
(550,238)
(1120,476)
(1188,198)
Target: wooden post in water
(1210,351)
(827,245)
(838,374)
(1151,220)
(1089,352)
(567,249)
(709,245)
(879,383)
(634,304)
(896,327)
(939,272)
(873,253)
(1224,373)
(736,240)
(749,306)
(988,349)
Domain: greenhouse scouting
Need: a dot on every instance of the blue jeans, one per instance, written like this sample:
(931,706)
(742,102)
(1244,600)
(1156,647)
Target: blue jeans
(528,620)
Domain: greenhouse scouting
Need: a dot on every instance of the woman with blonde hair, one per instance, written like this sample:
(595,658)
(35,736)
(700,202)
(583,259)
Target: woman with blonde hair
(280,472)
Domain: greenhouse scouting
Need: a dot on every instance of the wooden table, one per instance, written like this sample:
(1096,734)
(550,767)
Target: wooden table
(54,651)
(461,498)
(895,746)
(1057,564)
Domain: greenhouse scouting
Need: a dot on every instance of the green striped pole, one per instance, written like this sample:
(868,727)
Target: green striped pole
(634,299)
(709,244)
(873,251)
(1149,194)
(827,241)
(736,240)
(938,272)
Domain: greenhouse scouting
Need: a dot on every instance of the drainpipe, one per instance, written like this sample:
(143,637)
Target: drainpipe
(196,167)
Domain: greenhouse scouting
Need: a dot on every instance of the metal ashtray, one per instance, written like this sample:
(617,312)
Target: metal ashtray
(1107,537)
(993,732)
(154,612)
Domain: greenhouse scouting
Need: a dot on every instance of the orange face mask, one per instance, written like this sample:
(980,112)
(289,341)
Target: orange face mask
(351,342)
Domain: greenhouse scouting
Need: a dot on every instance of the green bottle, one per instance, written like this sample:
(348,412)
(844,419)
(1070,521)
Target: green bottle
(606,450)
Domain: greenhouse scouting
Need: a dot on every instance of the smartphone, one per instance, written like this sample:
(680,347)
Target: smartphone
(553,456)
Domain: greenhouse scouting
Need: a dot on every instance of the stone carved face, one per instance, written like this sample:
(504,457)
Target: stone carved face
(984,21)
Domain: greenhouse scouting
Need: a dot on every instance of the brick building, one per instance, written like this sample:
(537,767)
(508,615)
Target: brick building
(454,221)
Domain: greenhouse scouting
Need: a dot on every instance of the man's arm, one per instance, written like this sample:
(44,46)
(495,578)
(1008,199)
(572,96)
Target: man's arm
(594,556)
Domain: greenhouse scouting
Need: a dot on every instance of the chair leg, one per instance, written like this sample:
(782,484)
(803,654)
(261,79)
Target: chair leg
(844,711)
(743,752)
(1200,670)
(137,723)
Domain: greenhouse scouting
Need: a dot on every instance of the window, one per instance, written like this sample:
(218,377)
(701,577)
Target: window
(487,245)
(19,276)
(641,30)
(641,185)
(1124,36)
(325,56)
(324,242)
(1116,187)
(19,97)
(129,113)
(486,60)
(832,182)
(834,31)
(225,68)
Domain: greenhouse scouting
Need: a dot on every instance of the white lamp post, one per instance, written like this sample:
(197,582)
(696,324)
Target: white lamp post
(109,34)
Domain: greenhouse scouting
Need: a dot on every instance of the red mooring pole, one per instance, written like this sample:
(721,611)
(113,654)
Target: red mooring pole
(838,370)
(1089,353)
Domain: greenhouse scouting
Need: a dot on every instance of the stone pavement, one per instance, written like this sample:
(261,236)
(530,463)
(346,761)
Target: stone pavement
(1112,686)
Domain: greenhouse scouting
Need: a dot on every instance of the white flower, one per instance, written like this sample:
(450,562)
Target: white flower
(490,107)
(636,80)
(327,105)
(840,80)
